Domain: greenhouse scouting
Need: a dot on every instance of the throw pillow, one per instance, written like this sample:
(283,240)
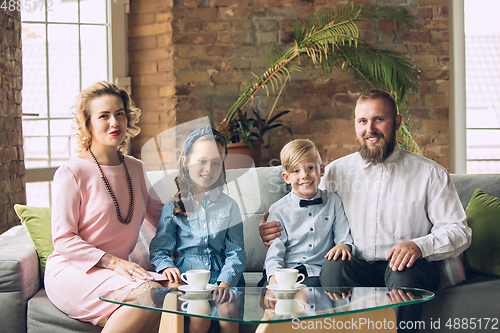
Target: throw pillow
(483,217)
(36,222)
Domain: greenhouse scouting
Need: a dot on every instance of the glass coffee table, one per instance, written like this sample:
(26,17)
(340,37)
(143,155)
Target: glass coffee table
(301,308)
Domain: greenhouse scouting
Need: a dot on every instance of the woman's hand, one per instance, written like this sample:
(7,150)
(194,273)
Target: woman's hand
(128,269)
(173,274)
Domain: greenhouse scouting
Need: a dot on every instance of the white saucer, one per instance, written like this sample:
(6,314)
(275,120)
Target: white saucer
(275,288)
(186,288)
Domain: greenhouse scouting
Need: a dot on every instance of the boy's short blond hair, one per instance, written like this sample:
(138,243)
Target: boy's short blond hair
(296,151)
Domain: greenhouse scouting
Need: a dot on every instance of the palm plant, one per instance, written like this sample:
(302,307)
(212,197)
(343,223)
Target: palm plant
(330,38)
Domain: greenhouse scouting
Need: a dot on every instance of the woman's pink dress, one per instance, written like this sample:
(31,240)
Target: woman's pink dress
(85,227)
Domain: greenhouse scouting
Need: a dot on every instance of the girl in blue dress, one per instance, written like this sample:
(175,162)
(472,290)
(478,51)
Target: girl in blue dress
(201,225)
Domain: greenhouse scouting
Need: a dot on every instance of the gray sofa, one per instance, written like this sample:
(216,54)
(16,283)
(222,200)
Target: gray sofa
(24,306)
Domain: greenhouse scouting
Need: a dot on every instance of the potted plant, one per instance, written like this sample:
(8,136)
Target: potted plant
(330,38)
(244,134)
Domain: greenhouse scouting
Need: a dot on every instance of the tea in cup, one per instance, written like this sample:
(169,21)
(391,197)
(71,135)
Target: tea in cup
(287,278)
(197,279)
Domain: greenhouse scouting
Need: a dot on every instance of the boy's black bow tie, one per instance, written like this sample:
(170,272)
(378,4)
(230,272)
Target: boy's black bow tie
(305,203)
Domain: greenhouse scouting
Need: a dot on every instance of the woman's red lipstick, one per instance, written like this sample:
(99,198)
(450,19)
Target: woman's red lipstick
(115,133)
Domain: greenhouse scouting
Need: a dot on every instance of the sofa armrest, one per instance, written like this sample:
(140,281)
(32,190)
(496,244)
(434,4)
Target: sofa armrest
(19,278)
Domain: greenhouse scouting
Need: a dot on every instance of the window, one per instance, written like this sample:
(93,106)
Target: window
(66,47)
(482,55)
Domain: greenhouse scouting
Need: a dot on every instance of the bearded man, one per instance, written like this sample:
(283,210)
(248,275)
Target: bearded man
(403,209)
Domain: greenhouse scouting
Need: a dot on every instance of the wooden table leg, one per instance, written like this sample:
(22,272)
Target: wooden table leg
(376,317)
(171,323)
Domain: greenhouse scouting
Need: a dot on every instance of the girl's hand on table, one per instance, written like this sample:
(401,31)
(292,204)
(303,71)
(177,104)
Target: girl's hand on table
(173,274)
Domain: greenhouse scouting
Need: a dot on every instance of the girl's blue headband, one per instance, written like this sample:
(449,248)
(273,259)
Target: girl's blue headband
(207,130)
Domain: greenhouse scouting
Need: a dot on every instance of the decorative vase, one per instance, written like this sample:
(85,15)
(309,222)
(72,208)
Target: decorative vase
(241,156)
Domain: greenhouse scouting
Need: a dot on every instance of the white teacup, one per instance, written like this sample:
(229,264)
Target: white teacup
(198,307)
(289,306)
(197,279)
(287,278)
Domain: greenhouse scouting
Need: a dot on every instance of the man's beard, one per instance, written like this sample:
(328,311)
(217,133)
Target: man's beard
(379,154)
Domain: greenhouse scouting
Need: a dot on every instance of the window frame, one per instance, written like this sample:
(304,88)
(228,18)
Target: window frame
(117,68)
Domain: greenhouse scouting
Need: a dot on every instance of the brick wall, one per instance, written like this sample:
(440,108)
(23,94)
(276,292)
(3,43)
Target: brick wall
(151,67)
(12,172)
(214,47)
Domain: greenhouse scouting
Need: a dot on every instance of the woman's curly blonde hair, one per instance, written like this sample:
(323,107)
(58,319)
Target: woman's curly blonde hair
(82,114)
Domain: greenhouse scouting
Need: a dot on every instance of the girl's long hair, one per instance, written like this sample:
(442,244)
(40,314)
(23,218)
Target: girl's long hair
(185,184)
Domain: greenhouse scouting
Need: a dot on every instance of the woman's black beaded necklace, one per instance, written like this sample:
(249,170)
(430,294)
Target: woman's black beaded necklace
(112,195)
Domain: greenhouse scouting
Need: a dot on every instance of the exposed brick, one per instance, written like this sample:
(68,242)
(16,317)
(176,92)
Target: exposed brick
(344,98)
(166,65)
(388,25)
(162,17)
(199,13)
(442,113)
(192,77)
(142,43)
(143,68)
(432,24)
(151,29)
(436,100)
(238,13)
(190,51)
(167,91)
(217,25)
(222,3)
(416,36)
(336,153)
(156,79)
(265,24)
(210,73)
(144,92)
(150,55)
(267,38)
(193,25)
(215,50)
(440,36)
(331,139)
(141,19)
(431,2)
(192,3)
(425,13)
(149,6)
(164,41)
(440,12)
(236,38)
(435,125)
(194,39)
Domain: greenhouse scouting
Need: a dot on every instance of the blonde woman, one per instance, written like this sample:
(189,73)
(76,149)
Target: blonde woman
(101,199)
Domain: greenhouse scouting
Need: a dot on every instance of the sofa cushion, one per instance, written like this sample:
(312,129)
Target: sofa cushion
(36,222)
(44,317)
(483,217)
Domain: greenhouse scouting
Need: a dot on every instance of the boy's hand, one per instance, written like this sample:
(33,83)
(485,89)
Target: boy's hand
(172,274)
(339,250)
(269,231)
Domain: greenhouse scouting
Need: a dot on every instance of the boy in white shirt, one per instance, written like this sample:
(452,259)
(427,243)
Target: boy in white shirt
(314,224)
